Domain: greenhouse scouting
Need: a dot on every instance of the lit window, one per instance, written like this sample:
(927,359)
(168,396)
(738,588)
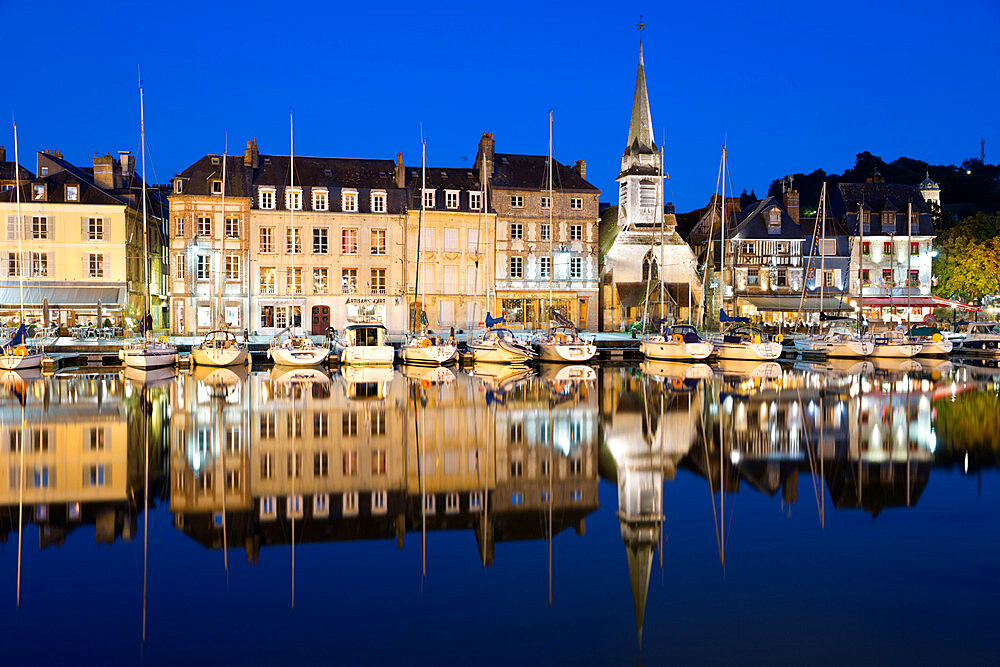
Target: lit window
(96,265)
(350,463)
(516,267)
(320,200)
(293,276)
(379,462)
(576,203)
(378,242)
(266,198)
(349,242)
(293,240)
(232,267)
(321,244)
(349,201)
(267,239)
(378,202)
(378,281)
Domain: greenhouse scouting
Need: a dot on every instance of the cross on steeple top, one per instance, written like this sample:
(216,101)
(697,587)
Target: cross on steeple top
(640,26)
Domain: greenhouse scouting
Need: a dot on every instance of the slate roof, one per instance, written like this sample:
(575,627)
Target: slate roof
(751,222)
(640,128)
(199,176)
(879,198)
(531,172)
(7,172)
(439,179)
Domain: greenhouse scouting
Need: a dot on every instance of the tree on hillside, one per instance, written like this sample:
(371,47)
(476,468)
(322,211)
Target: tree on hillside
(968,263)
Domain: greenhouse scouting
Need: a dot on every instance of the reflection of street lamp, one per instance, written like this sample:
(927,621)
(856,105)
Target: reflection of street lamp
(934,253)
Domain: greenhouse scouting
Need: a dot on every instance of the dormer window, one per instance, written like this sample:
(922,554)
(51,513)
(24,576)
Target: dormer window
(349,201)
(38,192)
(428,198)
(889,223)
(451,198)
(546,202)
(378,202)
(44,171)
(216,187)
(320,200)
(293,199)
(774,221)
(265,198)
(475,200)
(215,160)
(178,186)
(72,193)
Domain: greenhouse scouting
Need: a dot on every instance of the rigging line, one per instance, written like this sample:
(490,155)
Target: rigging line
(809,452)
(711,493)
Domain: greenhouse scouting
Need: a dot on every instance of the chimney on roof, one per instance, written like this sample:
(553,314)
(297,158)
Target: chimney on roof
(127,162)
(107,172)
(485,153)
(400,171)
(3,154)
(792,204)
(581,168)
(250,156)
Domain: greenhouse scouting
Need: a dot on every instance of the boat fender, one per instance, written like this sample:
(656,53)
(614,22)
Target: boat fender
(936,338)
(20,351)
(756,338)
(677,338)
(425,343)
(162,339)
(778,338)
(677,383)
(425,384)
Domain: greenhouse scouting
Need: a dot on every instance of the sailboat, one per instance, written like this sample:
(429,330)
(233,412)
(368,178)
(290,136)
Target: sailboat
(16,355)
(295,350)
(739,340)
(840,341)
(561,343)
(146,352)
(220,347)
(425,349)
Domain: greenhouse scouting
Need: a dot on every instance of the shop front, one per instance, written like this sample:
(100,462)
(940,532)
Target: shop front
(63,306)
(529,310)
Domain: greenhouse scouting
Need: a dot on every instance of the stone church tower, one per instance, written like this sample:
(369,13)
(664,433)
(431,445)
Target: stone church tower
(640,188)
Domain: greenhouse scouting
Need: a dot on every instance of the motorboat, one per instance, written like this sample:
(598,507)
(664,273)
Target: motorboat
(680,343)
(148,353)
(220,348)
(894,345)
(932,341)
(563,344)
(500,346)
(838,342)
(366,344)
(18,354)
(428,350)
(296,351)
(744,342)
(981,338)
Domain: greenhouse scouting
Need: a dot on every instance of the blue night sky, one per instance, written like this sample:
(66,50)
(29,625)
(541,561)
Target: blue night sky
(792,86)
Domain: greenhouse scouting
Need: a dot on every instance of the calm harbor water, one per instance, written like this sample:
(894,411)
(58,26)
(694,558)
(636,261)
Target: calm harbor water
(615,514)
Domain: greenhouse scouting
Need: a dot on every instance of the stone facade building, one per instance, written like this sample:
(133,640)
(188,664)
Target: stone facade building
(81,239)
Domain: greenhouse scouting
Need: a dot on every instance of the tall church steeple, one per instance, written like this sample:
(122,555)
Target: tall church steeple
(640,191)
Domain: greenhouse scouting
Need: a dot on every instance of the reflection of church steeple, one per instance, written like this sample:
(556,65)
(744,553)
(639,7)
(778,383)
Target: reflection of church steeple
(640,538)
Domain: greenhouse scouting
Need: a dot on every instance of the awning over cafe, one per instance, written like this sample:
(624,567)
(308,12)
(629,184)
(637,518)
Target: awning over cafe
(59,297)
(793,303)
(922,301)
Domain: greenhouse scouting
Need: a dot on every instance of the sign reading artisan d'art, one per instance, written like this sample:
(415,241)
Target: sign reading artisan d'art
(366,301)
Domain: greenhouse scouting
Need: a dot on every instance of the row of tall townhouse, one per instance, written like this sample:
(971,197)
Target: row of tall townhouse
(778,264)
(342,241)
(81,243)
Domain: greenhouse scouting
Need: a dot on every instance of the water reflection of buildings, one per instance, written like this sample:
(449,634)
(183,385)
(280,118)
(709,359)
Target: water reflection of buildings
(82,457)
(371,454)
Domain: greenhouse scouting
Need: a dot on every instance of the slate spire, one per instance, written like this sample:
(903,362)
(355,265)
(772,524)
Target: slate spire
(640,129)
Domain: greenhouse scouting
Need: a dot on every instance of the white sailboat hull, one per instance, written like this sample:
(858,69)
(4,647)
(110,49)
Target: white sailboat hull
(227,356)
(492,353)
(368,355)
(149,357)
(298,357)
(13,362)
(896,350)
(569,353)
(939,348)
(669,350)
(748,351)
(431,355)
(845,348)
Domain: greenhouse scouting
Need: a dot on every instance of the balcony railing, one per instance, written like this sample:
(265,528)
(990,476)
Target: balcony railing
(267,289)
(378,290)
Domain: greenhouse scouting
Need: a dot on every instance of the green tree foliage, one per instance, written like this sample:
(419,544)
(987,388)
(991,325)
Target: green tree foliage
(968,263)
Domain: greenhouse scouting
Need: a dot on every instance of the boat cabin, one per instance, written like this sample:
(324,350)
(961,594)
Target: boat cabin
(366,335)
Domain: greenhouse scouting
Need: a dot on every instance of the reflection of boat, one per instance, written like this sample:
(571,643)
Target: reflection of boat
(768,370)
(898,365)
(936,365)
(220,376)
(837,367)
(560,373)
(367,382)
(26,375)
(432,375)
(220,348)
(503,377)
(682,342)
(150,378)
(294,375)
(676,370)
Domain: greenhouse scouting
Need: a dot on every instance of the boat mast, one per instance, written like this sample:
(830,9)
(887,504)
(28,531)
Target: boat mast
(291,225)
(20,227)
(222,234)
(861,267)
(659,209)
(420,227)
(822,254)
(145,242)
(709,257)
(909,256)
(722,231)
(552,202)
